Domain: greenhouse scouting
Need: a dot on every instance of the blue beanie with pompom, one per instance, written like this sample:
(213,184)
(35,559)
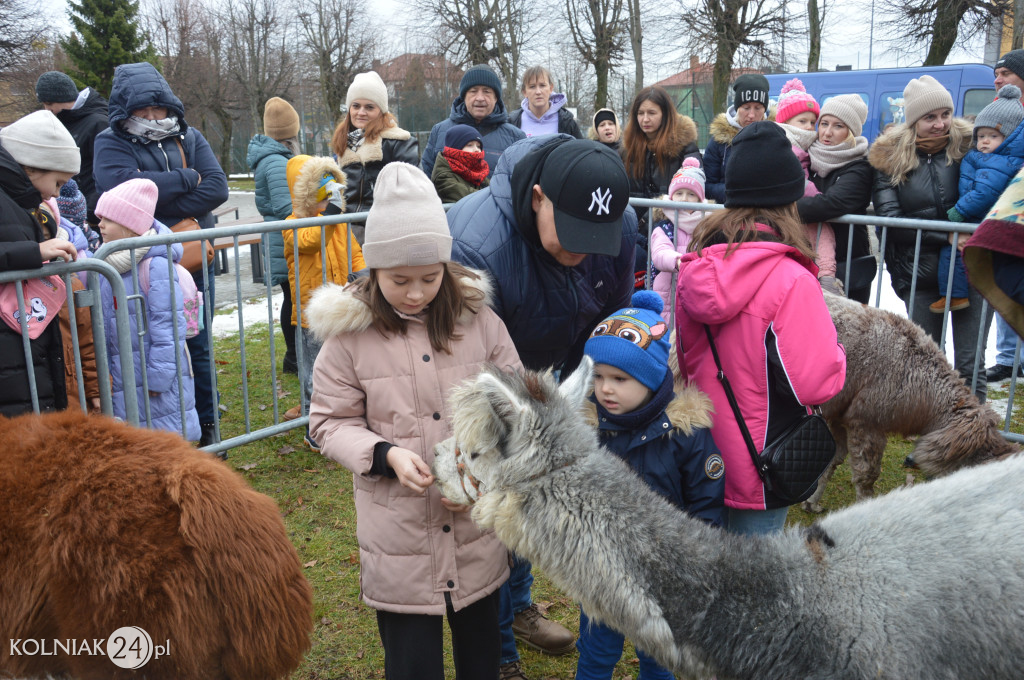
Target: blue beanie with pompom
(634,340)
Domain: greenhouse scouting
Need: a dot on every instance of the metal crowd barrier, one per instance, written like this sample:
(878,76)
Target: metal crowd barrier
(231,241)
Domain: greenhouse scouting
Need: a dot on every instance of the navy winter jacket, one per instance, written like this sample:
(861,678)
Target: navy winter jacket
(549,309)
(498,134)
(119,157)
(84,123)
(687,469)
(983,176)
(268,159)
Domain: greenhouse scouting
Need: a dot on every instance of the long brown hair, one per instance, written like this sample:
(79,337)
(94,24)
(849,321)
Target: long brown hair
(739,225)
(372,131)
(443,313)
(635,143)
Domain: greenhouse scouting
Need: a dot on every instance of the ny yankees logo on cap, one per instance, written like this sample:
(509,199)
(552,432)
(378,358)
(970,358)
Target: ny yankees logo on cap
(602,202)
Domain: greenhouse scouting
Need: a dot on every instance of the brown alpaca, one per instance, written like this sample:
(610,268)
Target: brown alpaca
(103,525)
(899,381)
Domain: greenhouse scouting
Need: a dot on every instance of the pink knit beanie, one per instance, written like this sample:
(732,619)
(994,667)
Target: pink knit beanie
(130,204)
(794,100)
(689,176)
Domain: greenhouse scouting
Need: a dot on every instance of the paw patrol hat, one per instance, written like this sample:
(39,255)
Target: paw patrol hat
(634,340)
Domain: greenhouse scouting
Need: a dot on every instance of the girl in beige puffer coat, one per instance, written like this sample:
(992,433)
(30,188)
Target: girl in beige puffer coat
(394,345)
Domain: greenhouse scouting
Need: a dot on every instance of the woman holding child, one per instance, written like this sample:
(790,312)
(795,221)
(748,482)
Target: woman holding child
(918,164)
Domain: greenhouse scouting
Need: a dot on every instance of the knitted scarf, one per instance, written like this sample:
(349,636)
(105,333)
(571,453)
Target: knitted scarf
(825,159)
(469,165)
(154,130)
(930,145)
(121,260)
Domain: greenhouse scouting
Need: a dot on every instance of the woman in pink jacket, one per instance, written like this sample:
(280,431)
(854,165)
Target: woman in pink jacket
(394,344)
(750,276)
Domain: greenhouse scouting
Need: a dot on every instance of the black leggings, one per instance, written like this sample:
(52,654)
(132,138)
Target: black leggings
(287,329)
(413,643)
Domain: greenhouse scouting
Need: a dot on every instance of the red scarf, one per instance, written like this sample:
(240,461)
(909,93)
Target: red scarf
(469,165)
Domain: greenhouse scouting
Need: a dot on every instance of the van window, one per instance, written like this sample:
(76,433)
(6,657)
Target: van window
(976,100)
(890,108)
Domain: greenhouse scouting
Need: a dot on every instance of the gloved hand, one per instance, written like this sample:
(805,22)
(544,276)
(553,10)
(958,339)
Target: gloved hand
(954,215)
(831,284)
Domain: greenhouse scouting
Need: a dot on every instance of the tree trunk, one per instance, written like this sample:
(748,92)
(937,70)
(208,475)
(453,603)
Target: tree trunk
(944,31)
(814,29)
(721,76)
(601,98)
(636,40)
(1017,42)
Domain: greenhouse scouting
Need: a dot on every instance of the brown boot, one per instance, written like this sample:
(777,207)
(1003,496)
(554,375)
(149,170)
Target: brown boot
(292,413)
(533,629)
(511,671)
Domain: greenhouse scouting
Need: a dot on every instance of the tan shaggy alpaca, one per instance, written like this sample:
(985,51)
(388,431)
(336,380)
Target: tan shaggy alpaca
(103,525)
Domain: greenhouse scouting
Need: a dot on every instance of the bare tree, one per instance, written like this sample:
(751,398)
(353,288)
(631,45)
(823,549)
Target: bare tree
(726,26)
(21,27)
(814,24)
(340,40)
(636,41)
(259,56)
(598,30)
(941,24)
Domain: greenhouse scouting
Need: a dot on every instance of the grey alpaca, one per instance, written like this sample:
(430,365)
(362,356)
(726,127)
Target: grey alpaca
(925,583)
(899,381)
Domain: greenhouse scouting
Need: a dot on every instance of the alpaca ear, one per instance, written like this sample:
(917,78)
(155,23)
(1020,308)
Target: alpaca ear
(578,386)
(505,404)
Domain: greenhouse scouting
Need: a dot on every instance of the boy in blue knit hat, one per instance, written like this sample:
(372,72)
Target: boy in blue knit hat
(665,438)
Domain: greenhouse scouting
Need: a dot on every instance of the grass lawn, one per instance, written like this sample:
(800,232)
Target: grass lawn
(315,497)
(242,184)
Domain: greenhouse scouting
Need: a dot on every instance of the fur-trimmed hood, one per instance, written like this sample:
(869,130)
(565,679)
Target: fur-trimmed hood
(686,134)
(690,409)
(369,152)
(888,155)
(304,174)
(722,131)
(335,309)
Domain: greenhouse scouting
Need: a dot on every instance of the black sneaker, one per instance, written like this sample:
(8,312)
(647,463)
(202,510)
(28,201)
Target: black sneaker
(288,365)
(1002,372)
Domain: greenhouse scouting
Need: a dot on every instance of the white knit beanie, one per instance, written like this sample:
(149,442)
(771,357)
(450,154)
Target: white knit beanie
(922,95)
(850,109)
(406,226)
(368,86)
(42,142)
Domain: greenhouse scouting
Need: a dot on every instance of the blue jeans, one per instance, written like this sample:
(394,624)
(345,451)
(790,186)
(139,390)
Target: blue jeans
(1006,342)
(199,350)
(756,522)
(600,649)
(514,598)
(959,289)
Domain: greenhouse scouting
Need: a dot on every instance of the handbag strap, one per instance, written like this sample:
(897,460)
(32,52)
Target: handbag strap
(181,150)
(735,406)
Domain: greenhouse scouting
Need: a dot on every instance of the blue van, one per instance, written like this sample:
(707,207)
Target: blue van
(882,89)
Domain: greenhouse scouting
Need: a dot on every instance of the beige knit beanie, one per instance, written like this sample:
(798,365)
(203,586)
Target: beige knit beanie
(368,86)
(40,141)
(406,226)
(922,95)
(280,120)
(850,109)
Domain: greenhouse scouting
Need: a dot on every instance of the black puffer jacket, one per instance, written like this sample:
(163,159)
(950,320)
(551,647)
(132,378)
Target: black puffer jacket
(844,191)
(927,193)
(84,123)
(20,236)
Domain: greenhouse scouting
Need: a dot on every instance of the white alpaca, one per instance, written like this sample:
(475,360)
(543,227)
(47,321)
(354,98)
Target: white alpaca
(925,583)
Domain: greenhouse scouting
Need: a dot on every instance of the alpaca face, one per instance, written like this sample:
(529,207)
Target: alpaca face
(509,429)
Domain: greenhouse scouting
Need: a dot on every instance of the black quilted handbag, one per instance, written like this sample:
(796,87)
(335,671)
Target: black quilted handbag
(791,465)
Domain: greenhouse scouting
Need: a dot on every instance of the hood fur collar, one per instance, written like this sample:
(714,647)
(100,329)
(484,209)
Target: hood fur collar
(722,131)
(689,410)
(307,182)
(686,133)
(369,152)
(335,309)
(884,157)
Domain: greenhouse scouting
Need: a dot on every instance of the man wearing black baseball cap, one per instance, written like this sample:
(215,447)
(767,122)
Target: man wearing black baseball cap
(555,232)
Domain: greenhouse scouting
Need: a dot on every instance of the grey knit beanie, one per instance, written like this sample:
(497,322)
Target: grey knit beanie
(55,87)
(850,109)
(42,142)
(922,95)
(406,226)
(1004,114)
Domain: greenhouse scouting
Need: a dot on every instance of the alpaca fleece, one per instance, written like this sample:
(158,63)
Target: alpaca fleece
(926,583)
(899,381)
(103,525)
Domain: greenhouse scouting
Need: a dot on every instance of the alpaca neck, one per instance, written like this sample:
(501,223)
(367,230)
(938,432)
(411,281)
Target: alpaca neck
(681,590)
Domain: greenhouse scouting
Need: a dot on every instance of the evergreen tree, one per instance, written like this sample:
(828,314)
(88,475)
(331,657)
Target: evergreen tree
(106,35)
